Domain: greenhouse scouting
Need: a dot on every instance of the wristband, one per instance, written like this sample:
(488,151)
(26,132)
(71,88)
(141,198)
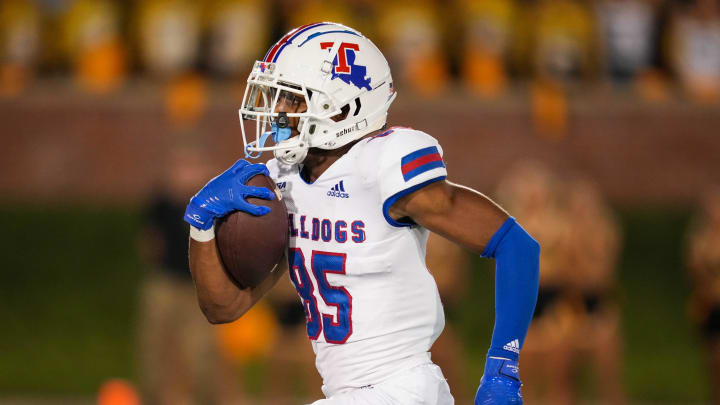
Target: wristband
(202,235)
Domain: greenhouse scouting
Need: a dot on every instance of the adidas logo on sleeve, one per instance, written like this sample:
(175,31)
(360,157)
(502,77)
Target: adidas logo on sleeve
(512,346)
(338,191)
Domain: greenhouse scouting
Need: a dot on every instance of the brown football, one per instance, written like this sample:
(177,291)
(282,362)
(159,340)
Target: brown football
(250,247)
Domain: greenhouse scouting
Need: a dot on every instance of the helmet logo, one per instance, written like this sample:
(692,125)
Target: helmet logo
(344,67)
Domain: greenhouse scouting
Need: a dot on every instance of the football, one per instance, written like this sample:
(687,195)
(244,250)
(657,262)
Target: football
(251,247)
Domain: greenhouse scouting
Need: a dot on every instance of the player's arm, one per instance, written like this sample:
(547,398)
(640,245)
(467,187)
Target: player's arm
(474,221)
(220,299)
(411,178)
(458,213)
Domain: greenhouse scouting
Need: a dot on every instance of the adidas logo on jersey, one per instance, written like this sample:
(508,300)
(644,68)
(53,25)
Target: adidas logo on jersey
(513,346)
(338,191)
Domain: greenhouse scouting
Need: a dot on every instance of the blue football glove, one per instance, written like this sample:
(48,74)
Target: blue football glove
(500,383)
(226,193)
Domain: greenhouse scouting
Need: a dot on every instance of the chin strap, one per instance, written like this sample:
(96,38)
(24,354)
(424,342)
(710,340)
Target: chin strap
(279,130)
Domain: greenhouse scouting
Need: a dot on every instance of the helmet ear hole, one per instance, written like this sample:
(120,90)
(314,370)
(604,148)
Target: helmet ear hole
(357,106)
(344,111)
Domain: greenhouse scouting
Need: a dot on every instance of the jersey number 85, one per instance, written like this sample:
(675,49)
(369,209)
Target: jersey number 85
(337,327)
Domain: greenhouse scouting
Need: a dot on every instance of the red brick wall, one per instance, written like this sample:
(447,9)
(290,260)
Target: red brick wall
(60,145)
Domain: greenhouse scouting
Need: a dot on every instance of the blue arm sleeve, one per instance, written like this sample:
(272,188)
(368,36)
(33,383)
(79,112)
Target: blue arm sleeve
(517,271)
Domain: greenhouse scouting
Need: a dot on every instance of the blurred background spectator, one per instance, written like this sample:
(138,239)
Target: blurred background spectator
(530,192)
(562,40)
(410,34)
(237,34)
(168,36)
(695,48)
(180,357)
(489,35)
(20,32)
(99,97)
(576,322)
(703,264)
(627,36)
(92,42)
(590,254)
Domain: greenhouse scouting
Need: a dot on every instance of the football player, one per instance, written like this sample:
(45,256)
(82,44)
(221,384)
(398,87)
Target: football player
(361,201)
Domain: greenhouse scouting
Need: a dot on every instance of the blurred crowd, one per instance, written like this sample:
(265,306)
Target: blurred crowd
(482,45)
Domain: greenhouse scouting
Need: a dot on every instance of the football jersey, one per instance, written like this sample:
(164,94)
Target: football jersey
(372,308)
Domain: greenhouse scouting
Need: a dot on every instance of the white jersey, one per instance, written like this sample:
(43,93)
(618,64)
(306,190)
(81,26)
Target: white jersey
(372,308)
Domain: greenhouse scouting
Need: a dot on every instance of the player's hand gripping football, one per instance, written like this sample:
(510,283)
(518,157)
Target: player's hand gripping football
(226,193)
(500,383)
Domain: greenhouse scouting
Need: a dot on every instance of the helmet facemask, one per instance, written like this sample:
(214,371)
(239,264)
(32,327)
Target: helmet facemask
(264,94)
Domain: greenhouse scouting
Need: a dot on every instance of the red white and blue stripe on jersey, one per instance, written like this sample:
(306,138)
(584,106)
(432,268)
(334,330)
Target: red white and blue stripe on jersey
(420,161)
(275,51)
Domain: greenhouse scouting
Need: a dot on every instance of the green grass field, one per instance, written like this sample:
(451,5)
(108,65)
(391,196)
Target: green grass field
(69,291)
(67,299)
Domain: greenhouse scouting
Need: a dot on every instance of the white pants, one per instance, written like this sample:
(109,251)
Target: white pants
(421,385)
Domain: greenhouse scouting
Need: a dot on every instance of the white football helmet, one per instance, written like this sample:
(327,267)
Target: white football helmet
(344,80)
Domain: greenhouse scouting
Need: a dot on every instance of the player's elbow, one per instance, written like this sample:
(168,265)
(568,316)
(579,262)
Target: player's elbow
(218,320)
(218,316)
(218,313)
